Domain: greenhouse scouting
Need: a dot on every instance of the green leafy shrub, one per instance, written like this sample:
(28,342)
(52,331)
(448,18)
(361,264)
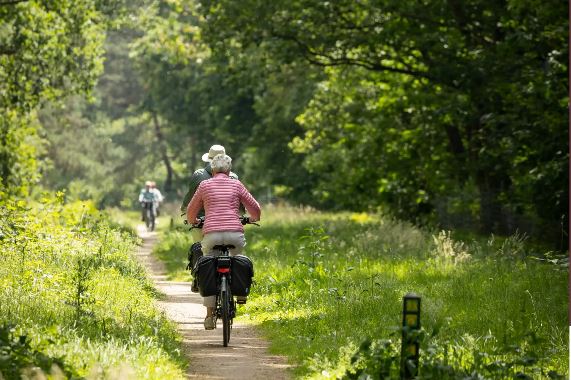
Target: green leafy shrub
(328,293)
(70,284)
(16,353)
(460,359)
(326,282)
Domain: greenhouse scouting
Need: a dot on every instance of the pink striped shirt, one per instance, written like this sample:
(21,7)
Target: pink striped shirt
(221,197)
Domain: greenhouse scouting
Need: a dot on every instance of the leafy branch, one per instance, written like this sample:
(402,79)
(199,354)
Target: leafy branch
(12,2)
(7,50)
(323,59)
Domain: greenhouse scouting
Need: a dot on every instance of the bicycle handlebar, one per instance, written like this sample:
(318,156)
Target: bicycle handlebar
(200,223)
(243,219)
(246,220)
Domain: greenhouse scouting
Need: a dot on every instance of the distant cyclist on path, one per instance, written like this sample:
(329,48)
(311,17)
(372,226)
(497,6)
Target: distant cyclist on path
(147,195)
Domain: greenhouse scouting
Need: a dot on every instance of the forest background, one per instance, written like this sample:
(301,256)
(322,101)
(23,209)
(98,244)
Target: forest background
(448,114)
(444,113)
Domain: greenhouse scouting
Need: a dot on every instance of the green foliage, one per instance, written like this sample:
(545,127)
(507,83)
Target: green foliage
(372,152)
(48,49)
(172,250)
(268,163)
(221,93)
(187,88)
(423,105)
(430,111)
(327,282)
(384,107)
(17,353)
(466,359)
(74,293)
(108,161)
(19,147)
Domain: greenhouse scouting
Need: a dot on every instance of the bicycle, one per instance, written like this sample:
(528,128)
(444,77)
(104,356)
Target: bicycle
(225,302)
(149,215)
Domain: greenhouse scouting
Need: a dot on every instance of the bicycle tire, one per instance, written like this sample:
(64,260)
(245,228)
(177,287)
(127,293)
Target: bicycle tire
(226,318)
(152,219)
(147,218)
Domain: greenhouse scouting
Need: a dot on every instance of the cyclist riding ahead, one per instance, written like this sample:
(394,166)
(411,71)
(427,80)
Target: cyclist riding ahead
(147,199)
(221,197)
(196,178)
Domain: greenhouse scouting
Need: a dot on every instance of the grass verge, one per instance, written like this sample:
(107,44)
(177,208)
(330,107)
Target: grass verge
(74,302)
(328,293)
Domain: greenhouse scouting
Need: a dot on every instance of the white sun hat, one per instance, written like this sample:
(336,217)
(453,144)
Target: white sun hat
(214,150)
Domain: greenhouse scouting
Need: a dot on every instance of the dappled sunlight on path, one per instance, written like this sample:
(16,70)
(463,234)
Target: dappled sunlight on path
(247,355)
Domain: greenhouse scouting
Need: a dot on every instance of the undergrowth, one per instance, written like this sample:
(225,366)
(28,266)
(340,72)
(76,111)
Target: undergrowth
(328,293)
(73,301)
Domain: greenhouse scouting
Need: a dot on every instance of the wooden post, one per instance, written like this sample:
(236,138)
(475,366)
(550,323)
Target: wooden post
(410,352)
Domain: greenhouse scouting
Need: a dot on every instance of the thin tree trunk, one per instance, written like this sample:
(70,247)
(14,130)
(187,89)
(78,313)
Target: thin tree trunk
(163,153)
(5,156)
(193,155)
(491,210)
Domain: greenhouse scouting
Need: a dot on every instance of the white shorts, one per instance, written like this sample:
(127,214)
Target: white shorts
(211,239)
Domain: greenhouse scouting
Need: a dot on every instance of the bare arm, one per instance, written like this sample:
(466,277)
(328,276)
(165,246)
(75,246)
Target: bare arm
(251,204)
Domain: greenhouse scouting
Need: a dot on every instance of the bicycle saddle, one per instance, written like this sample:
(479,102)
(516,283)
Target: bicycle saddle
(223,247)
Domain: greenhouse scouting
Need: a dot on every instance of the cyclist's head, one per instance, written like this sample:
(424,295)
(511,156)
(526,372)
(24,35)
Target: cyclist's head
(148,184)
(221,163)
(153,184)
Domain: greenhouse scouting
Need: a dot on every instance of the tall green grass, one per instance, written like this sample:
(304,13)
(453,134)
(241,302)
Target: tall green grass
(328,293)
(74,302)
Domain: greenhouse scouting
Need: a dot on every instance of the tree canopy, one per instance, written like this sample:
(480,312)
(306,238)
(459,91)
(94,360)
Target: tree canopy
(442,112)
(48,49)
(423,101)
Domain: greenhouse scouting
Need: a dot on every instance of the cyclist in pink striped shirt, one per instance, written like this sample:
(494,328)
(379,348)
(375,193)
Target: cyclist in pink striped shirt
(221,197)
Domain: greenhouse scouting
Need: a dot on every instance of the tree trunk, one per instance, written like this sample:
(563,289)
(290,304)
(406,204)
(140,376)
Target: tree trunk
(491,212)
(164,154)
(193,156)
(6,157)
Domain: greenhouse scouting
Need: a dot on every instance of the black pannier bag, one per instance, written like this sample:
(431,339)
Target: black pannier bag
(194,253)
(205,271)
(242,273)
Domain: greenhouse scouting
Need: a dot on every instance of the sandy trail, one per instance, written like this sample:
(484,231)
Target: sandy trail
(246,356)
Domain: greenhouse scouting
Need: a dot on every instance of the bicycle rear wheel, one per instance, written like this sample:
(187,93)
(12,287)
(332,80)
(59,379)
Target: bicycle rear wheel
(150,219)
(147,218)
(226,317)
(153,220)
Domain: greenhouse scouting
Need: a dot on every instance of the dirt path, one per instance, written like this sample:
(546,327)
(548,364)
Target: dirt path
(246,356)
